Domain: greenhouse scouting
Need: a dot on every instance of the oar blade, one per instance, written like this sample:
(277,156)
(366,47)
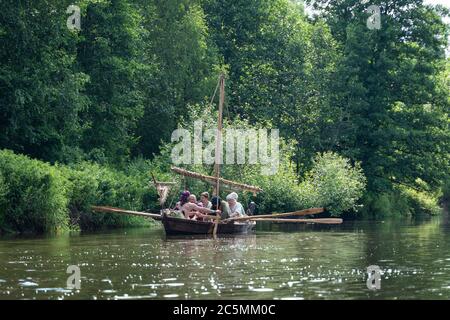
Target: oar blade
(310,221)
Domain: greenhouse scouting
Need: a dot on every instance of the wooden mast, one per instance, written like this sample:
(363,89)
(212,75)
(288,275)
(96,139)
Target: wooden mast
(218,153)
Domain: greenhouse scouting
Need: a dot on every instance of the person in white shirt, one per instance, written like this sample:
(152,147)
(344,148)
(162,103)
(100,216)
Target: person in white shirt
(204,199)
(236,208)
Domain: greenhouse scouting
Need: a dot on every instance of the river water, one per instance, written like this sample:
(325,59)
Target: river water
(276,262)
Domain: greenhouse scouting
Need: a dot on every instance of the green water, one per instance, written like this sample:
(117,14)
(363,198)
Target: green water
(301,262)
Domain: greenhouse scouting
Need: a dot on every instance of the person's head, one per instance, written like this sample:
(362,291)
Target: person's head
(204,197)
(184,197)
(232,198)
(216,203)
(192,198)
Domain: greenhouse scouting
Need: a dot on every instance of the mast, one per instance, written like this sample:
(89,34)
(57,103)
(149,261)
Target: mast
(218,153)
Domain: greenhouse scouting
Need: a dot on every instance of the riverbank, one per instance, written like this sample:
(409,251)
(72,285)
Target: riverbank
(37,197)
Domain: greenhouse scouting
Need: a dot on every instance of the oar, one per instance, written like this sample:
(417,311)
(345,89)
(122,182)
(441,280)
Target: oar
(123,211)
(279,215)
(318,221)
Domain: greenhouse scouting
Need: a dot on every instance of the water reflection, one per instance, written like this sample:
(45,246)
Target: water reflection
(278,262)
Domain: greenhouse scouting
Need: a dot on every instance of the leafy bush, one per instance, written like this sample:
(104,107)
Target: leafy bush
(386,204)
(281,191)
(421,202)
(333,183)
(3,197)
(92,184)
(401,201)
(446,190)
(36,195)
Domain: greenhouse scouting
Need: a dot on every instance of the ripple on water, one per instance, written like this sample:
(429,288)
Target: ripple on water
(59,290)
(127,297)
(109,291)
(175,284)
(261,289)
(291,283)
(291,298)
(28,284)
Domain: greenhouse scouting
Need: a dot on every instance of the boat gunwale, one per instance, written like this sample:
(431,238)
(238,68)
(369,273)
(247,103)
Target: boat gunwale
(190,221)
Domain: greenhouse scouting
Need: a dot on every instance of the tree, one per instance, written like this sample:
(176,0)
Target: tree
(283,72)
(187,67)
(110,52)
(398,109)
(41,90)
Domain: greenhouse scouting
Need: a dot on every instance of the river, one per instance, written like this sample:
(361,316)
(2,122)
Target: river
(276,262)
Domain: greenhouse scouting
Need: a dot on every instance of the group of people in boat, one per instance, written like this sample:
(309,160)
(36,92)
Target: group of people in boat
(191,208)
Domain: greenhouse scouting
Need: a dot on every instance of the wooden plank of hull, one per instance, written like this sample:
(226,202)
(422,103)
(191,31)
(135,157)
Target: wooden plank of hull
(177,226)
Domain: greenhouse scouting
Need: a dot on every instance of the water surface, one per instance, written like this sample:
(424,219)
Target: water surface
(295,262)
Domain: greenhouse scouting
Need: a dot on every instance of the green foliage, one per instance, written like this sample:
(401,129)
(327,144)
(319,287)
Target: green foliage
(401,201)
(110,53)
(421,202)
(281,191)
(113,92)
(333,183)
(36,196)
(177,39)
(392,89)
(387,204)
(41,96)
(446,190)
(3,198)
(92,184)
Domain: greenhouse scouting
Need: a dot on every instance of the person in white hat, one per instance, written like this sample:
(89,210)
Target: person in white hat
(236,208)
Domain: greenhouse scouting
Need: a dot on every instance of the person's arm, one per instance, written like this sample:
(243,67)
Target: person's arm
(238,211)
(204,210)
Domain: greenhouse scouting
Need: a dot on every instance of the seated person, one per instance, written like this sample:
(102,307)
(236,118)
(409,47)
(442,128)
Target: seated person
(183,199)
(192,198)
(218,204)
(252,209)
(236,208)
(204,200)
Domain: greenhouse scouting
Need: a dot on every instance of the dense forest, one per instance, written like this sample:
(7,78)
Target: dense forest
(86,114)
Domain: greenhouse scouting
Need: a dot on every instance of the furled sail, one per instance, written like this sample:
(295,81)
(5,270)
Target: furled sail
(163,189)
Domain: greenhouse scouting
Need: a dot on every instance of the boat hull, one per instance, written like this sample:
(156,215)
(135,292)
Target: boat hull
(177,226)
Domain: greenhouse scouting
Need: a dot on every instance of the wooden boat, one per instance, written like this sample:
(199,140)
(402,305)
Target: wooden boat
(242,225)
(177,226)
